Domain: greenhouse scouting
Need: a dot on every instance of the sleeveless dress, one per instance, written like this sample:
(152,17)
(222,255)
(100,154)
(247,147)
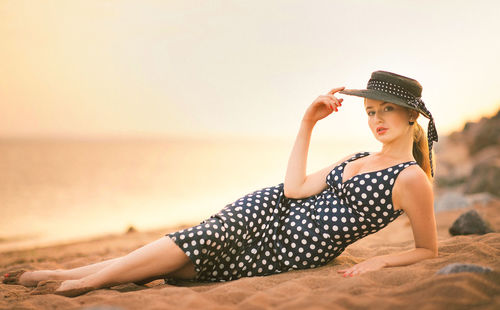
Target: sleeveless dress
(265,232)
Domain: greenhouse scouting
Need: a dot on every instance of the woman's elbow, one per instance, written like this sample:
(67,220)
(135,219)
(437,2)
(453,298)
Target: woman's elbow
(433,253)
(289,194)
(293,194)
(427,253)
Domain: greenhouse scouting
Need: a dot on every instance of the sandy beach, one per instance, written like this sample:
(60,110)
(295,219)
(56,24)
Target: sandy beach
(124,121)
(415,286)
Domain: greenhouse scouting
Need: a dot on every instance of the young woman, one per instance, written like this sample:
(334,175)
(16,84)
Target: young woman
(304,222)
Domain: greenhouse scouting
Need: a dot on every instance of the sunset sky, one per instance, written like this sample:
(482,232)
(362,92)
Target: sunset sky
(235,68)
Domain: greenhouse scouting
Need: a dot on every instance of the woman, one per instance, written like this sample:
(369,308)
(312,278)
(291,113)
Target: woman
(302,223)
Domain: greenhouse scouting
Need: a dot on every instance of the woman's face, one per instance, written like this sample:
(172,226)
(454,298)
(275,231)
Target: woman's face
(388,121)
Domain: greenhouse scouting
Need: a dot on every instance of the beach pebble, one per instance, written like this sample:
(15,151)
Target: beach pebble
(468,223)
(461,267)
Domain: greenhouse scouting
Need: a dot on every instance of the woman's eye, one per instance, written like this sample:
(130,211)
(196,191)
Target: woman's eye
(387,108)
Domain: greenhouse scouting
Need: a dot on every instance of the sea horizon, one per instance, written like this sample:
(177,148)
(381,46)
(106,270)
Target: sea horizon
(58,190)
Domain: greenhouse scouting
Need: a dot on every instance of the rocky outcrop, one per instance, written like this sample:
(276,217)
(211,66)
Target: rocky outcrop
(485,177)
(468,161)
(487,133)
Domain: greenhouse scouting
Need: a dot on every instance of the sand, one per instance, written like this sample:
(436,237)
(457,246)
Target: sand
(414,286)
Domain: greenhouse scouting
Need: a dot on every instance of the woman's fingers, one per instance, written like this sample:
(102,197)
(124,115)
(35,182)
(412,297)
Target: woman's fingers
(334,90)
(335,103)
(336,100)
(349,272)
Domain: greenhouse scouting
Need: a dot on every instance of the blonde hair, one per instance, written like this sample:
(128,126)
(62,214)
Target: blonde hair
(421,150)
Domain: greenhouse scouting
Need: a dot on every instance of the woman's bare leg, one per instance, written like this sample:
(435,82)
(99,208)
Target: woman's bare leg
(31,278)
(80,272)
(156,259)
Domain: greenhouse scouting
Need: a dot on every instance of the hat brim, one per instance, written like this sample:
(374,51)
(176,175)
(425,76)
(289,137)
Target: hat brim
(379,95)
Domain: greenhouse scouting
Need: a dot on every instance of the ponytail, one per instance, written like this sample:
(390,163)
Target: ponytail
(421,150)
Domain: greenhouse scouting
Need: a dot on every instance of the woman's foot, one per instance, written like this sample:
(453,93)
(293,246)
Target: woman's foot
(28,278)
(68,288)
(13,277)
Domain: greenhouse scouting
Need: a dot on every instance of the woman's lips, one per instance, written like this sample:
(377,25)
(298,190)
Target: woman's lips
(381,130)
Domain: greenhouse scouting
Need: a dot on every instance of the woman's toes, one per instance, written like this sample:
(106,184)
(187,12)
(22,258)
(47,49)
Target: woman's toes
(18,277)
(32,278)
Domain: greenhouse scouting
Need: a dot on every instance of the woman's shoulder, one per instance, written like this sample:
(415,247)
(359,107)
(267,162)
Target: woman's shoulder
(412,180)
(413,192)
(413,173)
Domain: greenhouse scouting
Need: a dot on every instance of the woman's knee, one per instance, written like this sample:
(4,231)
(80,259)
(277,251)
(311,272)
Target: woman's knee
(186,272)
(175,251)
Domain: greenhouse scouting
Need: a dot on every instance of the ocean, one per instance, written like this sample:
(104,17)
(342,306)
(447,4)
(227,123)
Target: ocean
(61,190)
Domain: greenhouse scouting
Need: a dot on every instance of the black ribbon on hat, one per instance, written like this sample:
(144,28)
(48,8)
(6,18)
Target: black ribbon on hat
(431,129)
(415,102)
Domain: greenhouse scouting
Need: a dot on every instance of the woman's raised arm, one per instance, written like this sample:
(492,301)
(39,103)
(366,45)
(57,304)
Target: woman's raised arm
(296,184)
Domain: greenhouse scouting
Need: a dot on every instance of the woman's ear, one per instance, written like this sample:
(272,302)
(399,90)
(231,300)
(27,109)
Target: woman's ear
(413,114)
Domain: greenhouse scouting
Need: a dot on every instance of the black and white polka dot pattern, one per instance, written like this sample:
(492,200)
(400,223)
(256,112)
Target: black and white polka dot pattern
(266,233)
(390,88)
(412,100)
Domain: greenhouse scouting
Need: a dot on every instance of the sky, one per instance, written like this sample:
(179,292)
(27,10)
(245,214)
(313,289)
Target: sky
(235,68)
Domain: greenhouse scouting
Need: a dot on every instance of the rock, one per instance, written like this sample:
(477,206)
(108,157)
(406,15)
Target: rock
(480,198)
(468,223)
(485,177)
(461,267)
(467,126)
(469,160)
(487,134)
(488,154)
(450,180)
(131,229)
(451,201)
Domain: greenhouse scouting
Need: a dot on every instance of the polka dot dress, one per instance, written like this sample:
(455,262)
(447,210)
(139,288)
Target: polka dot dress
(266,233)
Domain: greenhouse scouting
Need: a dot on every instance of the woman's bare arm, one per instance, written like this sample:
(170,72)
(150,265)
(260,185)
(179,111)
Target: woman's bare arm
(305,186)
(296,169)
(413,193)
(296,184)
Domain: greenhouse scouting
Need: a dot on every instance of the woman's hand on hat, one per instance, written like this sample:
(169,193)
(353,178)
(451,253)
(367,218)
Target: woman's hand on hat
(323,106)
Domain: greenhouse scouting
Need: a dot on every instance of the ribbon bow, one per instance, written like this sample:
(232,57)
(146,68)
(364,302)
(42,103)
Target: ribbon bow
(432,135)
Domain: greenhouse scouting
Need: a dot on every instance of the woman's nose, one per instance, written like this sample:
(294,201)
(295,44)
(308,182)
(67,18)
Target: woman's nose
(378,117)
